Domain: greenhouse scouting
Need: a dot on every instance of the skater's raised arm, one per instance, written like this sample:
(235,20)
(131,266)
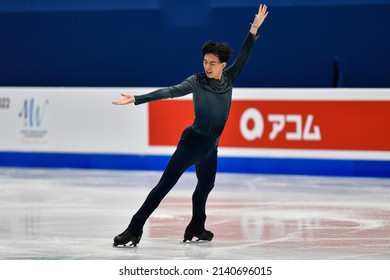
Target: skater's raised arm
(259,19)
(243,55)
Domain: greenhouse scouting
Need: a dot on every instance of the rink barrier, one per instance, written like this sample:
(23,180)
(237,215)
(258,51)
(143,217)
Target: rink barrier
(335,132)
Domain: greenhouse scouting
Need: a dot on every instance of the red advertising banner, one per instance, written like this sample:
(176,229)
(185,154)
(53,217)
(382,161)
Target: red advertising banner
(284,124)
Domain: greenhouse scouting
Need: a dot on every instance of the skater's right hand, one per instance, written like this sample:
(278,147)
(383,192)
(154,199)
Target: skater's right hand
(127,99)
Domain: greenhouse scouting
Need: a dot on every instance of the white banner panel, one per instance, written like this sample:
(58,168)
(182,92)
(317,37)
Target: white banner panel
(80,120)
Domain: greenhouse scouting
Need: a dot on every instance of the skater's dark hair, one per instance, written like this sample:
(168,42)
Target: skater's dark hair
(220,50)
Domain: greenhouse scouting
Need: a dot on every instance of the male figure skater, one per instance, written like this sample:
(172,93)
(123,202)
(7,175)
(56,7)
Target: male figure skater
(212,95)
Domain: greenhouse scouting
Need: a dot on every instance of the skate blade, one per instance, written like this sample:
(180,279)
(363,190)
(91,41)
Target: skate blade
(187,239)
(196,241)
(124,245)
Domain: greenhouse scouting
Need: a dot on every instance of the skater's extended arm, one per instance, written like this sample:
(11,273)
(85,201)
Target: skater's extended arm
(178,90)
(243,55)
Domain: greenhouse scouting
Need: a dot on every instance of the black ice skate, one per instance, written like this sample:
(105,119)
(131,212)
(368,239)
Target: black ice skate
(206,235)
(126,237)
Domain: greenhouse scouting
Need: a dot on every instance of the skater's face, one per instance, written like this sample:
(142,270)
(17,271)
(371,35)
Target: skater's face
(213,66)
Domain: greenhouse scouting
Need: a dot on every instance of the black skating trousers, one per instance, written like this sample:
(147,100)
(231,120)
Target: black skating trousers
(192,149)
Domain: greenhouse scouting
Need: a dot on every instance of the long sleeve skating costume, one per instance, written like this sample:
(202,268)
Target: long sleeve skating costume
(198,143)
(211,97)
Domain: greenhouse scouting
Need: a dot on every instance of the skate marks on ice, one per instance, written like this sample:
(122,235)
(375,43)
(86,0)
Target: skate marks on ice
(74,214)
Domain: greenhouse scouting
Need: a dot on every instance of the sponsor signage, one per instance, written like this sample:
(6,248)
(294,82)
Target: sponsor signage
(359,125)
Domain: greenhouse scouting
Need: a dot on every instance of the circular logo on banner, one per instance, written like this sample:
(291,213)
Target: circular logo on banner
(254,131)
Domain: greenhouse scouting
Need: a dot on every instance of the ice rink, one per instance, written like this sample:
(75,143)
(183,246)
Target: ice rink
(66,214)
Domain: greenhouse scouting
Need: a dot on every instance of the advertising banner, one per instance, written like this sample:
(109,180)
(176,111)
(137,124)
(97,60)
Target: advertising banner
(298,131)
(344,121)
(324,125)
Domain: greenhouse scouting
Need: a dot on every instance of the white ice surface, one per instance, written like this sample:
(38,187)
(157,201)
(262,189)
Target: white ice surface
(74,214)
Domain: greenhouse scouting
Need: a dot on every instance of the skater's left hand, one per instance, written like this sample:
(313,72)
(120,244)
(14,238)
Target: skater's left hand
(127,99)
(259,18)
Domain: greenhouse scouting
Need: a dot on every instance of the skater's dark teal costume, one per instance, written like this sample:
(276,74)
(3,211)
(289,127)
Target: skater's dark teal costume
(198,143)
